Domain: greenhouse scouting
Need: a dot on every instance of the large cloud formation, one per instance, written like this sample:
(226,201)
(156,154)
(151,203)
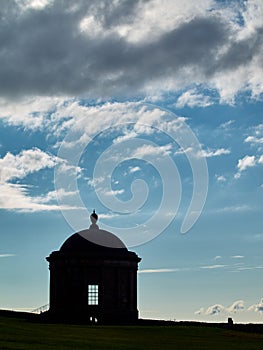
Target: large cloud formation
(102,49)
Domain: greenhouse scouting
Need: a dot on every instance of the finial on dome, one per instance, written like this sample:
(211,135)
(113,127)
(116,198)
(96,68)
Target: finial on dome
(94,215)
(94,219)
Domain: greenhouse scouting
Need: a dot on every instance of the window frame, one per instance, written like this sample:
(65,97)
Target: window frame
(93,294)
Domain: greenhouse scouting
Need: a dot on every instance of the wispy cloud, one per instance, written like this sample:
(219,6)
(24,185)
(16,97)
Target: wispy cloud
(256,237)
(234,209)
(17,197)
(6,255)
(52,196)
(217,257)
(159,270)
(226,125)
(231,267)
(212,267)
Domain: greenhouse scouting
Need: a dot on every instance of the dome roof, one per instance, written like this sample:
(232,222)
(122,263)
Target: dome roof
(92,240)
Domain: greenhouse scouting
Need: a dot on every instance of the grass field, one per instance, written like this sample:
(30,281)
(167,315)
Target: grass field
(21,334)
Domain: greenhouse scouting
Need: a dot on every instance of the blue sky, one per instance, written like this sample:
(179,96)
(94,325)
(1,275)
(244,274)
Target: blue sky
(150,112)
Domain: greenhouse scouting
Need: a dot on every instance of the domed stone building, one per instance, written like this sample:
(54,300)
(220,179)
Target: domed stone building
(93,278)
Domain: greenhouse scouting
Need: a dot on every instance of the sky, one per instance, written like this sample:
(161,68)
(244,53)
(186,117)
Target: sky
(149,112)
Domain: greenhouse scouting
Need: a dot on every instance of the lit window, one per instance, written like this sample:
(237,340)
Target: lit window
(93,294)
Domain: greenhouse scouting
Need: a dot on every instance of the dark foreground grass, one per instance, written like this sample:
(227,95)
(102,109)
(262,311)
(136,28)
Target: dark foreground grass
(21,334)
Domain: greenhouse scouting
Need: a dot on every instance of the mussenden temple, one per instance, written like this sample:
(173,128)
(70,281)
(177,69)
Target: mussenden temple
(93,279)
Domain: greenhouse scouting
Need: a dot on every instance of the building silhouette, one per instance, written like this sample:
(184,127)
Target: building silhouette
(93,278)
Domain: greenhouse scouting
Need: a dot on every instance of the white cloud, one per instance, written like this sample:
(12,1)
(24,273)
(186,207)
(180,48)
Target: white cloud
(32,113)
(89,25)
(107,216)
(254,139)
(180,151)
(236,306)
(214,310)
(220,178)
(151,150)
(33,4)
(83,120)
(217,309)
(192,98)
(213,153)
(160,16)
(95,181)
(113,192)
(246,162)
(65,167)
(26,162)
(257,307)
(54,195)
(17,196)
(134,169)
(127,136)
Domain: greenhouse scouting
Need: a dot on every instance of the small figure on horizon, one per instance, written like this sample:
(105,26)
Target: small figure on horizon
(230,322)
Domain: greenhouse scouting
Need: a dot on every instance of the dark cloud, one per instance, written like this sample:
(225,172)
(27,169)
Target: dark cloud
(44,52)
(240,53)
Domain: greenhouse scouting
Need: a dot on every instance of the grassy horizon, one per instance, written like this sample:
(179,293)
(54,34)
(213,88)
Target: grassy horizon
(20,334)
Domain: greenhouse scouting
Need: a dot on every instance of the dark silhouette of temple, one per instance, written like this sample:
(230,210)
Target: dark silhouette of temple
(93,278)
